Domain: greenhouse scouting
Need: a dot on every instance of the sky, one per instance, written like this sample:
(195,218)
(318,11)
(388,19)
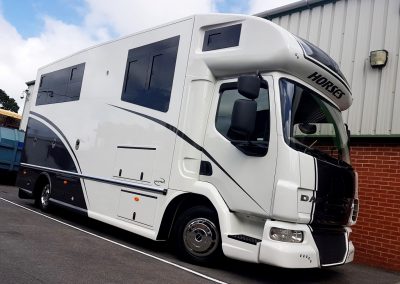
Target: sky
(34,33)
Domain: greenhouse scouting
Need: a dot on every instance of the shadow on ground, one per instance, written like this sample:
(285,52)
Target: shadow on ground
(240,271)
(7,177)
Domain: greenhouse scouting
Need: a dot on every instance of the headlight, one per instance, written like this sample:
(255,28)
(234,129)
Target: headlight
(286,235)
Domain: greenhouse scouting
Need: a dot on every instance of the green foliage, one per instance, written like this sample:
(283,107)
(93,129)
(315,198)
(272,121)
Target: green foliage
(8,103)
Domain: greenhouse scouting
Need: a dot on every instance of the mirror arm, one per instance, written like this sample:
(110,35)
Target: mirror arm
(263,81)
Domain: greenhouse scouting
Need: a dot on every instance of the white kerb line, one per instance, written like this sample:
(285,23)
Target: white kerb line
(119,244)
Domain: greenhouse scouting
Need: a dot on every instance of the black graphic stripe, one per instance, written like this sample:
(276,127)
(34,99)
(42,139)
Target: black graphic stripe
(314,191)
(97,179)
(61,133)
(136,148)
(191,142)
(87,197)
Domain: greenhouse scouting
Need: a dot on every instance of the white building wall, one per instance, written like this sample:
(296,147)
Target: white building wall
(348,30)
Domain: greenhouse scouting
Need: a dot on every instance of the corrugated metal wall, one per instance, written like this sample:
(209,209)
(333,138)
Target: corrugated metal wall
(348,30)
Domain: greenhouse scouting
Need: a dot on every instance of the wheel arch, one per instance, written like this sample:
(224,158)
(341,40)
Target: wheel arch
(40,181)
(178,205)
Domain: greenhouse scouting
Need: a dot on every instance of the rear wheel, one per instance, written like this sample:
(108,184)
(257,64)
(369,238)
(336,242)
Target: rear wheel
(42,199)
(197,235)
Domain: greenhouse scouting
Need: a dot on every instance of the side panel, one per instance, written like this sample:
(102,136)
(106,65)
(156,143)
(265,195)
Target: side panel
(127,166)
(113,146)
(135,207)
(44,148)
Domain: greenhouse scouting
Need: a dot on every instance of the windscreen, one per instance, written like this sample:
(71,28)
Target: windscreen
(311,124)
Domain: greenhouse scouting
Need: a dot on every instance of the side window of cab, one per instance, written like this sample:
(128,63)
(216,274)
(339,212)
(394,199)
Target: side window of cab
(226,120)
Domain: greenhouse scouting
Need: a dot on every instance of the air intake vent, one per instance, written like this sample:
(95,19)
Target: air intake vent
(331,244)
(245,239)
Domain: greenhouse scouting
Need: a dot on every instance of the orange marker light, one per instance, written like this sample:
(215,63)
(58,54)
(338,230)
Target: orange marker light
(65,182)
(136,198)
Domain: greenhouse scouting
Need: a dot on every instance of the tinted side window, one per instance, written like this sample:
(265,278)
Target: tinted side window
(228,95)
(61,86)
(222,37)
(75,83)
(149,74)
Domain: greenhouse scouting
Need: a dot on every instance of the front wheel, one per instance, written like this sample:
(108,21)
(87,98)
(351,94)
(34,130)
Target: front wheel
(197,235)
(42,199)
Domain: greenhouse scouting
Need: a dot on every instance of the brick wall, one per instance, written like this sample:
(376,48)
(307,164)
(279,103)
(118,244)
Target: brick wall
(376,235)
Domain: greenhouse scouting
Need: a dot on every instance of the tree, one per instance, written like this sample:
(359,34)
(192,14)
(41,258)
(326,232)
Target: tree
(8,103)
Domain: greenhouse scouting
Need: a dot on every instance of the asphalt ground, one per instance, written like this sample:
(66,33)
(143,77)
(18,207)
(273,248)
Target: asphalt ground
(64,247)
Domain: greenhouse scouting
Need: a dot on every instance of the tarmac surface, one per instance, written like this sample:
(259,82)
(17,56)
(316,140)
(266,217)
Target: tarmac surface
(63,247)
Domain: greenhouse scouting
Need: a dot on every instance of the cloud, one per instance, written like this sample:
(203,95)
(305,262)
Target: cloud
(125,17)
(21,57)
(258,6)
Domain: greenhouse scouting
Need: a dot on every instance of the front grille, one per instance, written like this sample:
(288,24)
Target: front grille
(332,211)
(331,244)
(335,194)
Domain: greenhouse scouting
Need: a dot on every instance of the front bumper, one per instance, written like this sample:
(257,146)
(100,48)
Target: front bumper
(324,248)
(319,248)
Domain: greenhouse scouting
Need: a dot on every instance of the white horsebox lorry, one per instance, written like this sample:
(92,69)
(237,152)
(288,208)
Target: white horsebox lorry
(221,133)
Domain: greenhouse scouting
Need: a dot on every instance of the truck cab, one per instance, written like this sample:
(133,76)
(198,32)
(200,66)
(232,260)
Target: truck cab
(275,145)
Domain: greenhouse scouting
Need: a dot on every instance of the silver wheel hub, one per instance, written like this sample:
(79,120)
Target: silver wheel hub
(44,198)
(200,237)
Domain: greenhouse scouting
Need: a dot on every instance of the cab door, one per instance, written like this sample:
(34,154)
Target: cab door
(245,181)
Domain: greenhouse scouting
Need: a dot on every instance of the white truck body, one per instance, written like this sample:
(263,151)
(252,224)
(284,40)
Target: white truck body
(122,159)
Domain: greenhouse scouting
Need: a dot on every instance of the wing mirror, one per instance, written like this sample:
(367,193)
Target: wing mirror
(244,116)
(249,86)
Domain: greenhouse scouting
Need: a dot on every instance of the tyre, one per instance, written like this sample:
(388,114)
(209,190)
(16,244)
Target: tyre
(197,236)
(43,197)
